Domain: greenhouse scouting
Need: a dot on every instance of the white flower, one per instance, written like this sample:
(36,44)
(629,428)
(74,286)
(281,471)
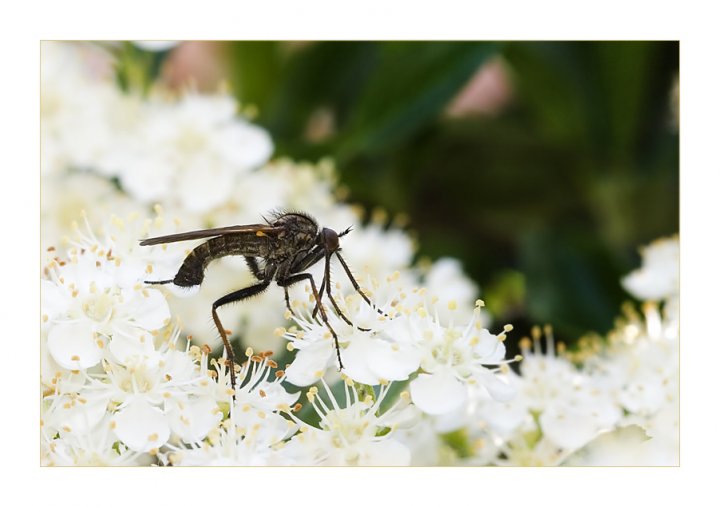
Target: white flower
(141,426)
(524,450)
(84,308)
(258,392)
(446,281)
(76,91)
(190,152)
(95,448)
(155,394)
(572,422)
(65,196)
(659,276)
(423,441)
(165,393)
(573,407)
(229,446)
(255,430)
(378,251)
(452,357)
(69,412)
(625,446)
(640,369)
(558,408)
(355,433)
(369,356)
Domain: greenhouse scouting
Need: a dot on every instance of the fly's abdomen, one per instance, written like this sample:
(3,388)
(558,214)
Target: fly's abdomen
(192,271)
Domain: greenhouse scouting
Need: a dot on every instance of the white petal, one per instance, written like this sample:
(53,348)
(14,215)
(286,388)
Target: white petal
(270,429)
(54,299)
(368,360)
(386,452)
(141,426)
(202,188)
(626,446)
(48,366)
(147,178)
(567,427)
(489,348)
(245,145)
(310,363)
(642,396)
(356,362)
(179,365)
(497,386)
(73,346)
(127,348)
(149,309)
(195,419)
(274,397)
(393,361)
(79,418)
(504,418)
(437,393)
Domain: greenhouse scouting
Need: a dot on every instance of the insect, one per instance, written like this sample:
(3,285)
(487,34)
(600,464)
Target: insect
(280,250)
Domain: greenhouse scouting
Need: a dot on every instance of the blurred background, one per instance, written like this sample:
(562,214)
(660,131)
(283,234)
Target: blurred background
(542,166)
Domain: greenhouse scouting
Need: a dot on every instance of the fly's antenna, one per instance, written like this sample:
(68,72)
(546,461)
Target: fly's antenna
(158,282)
(346,231)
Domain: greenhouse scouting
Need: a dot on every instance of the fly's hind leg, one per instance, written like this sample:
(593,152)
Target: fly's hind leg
(233,297)
(254,267)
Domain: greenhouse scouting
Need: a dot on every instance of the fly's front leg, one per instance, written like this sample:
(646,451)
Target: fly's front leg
(233,297)
(326,284)
(357,285)
(290,280)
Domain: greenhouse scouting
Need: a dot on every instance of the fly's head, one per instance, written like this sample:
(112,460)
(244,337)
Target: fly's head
(329,240)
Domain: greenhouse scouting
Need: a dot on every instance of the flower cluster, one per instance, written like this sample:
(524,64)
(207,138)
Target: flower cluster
(134,374)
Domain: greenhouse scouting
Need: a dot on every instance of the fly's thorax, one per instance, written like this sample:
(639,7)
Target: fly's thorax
(300,233)
(297,224)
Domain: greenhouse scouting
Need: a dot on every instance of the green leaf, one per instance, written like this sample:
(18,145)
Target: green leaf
(571,281)
(409,87)
(255,71)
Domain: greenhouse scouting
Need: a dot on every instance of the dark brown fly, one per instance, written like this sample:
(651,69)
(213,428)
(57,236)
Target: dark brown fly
(287,246)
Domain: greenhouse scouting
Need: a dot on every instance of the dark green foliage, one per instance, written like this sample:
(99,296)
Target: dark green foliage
(562,186)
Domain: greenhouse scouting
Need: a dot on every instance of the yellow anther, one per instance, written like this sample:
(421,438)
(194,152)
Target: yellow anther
(535,332)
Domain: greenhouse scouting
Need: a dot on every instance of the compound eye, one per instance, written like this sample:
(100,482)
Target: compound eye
(330,240)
